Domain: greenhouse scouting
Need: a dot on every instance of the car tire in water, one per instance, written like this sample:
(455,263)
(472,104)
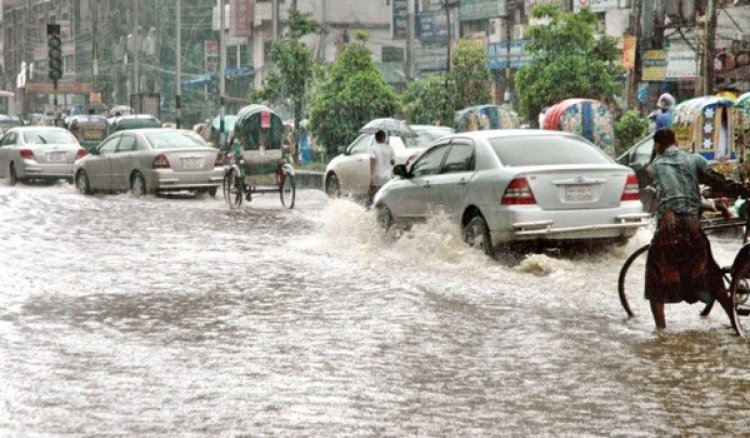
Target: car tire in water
(384,218)
(82,182)
(333,186)
(477,235)
(12,177)
(137,184)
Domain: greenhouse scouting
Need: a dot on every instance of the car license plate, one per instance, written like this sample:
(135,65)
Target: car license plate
(56,157)
(579,193)
(192,163)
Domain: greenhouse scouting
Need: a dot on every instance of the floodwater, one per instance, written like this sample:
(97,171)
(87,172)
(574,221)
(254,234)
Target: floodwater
(170,316)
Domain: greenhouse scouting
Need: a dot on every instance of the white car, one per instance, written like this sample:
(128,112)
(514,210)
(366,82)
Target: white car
(507,186)
(349,172)
(38,153)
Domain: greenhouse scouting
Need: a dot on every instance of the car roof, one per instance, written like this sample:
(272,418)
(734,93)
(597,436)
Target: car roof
(38,128)
(144,131)
(510,133)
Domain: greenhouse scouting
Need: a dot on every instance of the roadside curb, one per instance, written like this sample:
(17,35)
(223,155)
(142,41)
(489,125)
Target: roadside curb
(309,179)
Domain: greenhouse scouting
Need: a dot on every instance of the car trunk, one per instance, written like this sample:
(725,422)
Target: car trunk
(54,153)
(577,187)
(191,160)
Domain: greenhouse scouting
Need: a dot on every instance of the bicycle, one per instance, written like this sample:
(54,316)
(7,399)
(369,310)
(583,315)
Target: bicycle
(737,275)
(236,190)
(233,185)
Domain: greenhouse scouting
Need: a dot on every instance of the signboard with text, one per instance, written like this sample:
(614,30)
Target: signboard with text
(501,55)
(681,65)
(399,17)
(432,27)
(654,65)
(595,5)
(241,17)
(211,53)
(482,9)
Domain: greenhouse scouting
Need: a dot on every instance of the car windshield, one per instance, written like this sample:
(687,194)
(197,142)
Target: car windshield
(124,124)
(545,150)
(175,140)
(48,137)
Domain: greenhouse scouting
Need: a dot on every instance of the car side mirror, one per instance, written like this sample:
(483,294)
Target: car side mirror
(400,170)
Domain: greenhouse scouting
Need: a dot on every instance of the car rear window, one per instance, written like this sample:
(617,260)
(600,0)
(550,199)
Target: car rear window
(546,149)
(175,140)
(48,137)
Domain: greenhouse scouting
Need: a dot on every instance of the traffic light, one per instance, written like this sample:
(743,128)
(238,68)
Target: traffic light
(54,47)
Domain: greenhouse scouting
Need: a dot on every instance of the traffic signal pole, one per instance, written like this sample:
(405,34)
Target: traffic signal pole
(54,52)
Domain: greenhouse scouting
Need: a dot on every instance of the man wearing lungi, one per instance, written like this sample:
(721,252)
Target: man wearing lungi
(680,266)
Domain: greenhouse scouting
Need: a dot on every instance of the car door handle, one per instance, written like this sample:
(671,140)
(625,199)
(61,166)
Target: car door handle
(462,182)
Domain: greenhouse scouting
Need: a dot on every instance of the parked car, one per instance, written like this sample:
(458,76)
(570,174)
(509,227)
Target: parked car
(349,172)
(38,153)
(507,186)
(150,160)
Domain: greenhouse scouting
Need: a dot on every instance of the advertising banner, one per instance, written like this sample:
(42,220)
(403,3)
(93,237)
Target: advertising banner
(481,9)
(399,17)
(681,65)
(241,17)
(628,52)
(654,65)
(499,57)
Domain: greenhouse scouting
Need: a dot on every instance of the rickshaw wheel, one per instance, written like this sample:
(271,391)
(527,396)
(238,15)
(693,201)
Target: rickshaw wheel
(739,294)
(233,190)
(288,190)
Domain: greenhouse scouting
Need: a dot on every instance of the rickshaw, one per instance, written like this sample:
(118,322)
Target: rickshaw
(704,125)
(257,162)
(90,130)
(481,117)
(588,118)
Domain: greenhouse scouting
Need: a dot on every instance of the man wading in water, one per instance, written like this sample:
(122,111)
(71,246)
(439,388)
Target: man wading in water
(680,266)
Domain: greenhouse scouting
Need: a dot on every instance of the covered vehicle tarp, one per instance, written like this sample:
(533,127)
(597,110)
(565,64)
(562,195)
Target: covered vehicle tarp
(258,125)
(703,125)
(482,117)
(589,118)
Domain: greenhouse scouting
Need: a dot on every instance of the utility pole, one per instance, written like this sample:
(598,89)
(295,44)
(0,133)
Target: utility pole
(709,44)
(178,53)
(222,68)
(136,48)
(448,4)
(634,76)
(410,50)
(275,19)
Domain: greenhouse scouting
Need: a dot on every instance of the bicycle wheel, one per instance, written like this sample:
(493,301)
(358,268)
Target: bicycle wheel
(233,190)
(288,190)
(739,294)
(621,280)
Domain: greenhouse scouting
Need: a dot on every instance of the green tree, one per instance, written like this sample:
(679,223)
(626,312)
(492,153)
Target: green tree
(294,66)
(569,58)
(469,78)
(424,101)
(629,128)
(353,93)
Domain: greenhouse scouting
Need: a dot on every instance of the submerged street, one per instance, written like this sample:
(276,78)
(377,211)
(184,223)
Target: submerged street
(176,316)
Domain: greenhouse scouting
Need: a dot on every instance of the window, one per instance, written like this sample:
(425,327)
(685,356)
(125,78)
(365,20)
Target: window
(8,140)
(361,145)
(172,140)
(69,64)
(429,163)
(48,137)
(109,146)
(539,150)
(127,144)
(460,158)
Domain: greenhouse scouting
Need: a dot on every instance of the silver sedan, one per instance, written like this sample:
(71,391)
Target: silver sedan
(38,153)
(150,161)
(506,186)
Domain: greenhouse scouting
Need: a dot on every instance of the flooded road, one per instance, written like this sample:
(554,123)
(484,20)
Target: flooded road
(169,316)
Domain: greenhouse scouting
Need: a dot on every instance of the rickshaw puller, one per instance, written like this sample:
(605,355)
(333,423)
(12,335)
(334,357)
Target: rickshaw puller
(680,265)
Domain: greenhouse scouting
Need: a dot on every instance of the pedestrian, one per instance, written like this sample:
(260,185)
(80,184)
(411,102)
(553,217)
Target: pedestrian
(666,108)
(381,164)
(680,266)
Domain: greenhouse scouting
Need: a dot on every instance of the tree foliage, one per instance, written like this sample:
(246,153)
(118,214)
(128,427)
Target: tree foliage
(568,59)
(353,93)
(629,128)
(468,83)
(424,101)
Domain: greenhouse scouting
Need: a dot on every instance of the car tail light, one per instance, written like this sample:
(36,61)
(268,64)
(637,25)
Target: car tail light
(630,192)
(219,160)
(518,192)
(161,162)
(81,153)
(26,154)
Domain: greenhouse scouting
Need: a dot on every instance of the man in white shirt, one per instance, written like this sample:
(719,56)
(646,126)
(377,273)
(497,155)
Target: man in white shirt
(381,163)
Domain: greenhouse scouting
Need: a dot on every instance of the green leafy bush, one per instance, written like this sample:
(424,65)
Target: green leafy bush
(629,128)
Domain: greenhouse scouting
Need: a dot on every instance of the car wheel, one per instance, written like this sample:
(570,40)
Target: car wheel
(333,186)
(137,184)
(384,217)
(12,177)
(82,182)
(477,235)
